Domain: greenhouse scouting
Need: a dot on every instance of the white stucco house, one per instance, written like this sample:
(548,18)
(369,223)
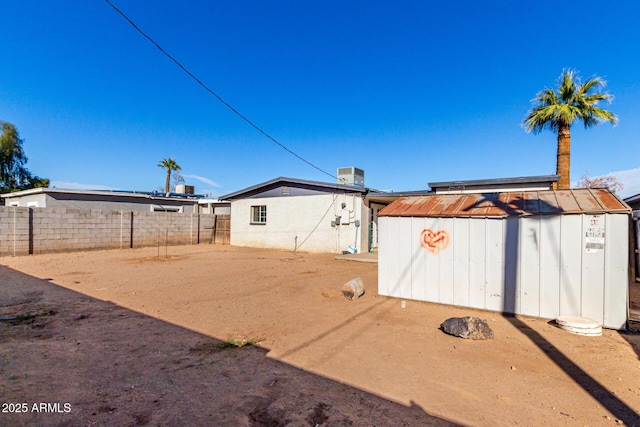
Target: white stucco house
(310,216)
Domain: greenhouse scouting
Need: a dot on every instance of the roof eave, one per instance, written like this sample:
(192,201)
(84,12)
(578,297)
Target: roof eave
(295,181)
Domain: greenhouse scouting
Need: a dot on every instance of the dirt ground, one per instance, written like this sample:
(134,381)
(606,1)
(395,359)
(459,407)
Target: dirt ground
(126,338)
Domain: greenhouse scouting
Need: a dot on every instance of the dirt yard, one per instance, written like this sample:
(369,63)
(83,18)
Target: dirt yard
(127,338)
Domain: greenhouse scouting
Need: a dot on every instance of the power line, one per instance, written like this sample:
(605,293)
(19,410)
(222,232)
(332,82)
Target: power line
(218,97)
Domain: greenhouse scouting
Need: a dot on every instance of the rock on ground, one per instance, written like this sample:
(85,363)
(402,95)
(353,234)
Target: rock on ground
(353,289)
(468,328)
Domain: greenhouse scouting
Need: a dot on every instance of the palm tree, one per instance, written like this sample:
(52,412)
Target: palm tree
(558,110)
(170,165)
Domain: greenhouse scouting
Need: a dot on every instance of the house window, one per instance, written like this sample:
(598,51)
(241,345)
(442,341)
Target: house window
(258,214)
(165,208)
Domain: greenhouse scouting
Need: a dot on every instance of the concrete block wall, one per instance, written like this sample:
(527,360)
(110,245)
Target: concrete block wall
(152,228)
(26,231)
(14,231)
(61,229)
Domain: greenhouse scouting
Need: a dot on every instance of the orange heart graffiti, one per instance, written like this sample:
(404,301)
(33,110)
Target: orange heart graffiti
(434,241)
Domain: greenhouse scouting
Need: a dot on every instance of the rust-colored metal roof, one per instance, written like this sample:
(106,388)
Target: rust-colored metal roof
(545,202)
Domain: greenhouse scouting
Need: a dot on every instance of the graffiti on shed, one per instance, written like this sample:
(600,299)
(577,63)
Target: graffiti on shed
(434,241)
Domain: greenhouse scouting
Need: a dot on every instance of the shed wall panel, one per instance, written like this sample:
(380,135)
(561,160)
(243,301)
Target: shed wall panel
(592,289)
(570,264)
(385,244)
(511,245)
(529,274)
(390,249)
(395,270)
(494,299)
(461,262)
(399,268)
(477,263)
(406,255)
(445,261)
(616,282)
(550,266)
(419,265)
(432,262)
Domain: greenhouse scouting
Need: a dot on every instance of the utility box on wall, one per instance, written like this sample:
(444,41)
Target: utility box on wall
(537,253)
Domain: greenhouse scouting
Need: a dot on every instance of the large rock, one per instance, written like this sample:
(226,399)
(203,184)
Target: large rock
(468,328)
(353,289)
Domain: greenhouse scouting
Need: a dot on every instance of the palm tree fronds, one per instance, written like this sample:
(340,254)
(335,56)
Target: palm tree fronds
(170,165)
(558,109)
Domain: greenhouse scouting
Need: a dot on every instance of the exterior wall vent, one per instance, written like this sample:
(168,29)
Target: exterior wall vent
(351,176)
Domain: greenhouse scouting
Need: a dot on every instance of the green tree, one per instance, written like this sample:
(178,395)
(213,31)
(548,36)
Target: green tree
(13,172)
(170,165)
(558,110)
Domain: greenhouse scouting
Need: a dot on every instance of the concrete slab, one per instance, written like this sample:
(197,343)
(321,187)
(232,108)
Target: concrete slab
(361,257)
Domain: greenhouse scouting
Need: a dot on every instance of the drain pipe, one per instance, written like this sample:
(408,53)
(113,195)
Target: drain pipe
(355,243)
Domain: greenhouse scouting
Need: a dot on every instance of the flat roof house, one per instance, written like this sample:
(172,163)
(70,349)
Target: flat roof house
(521,183)
(634,202)
(102,200)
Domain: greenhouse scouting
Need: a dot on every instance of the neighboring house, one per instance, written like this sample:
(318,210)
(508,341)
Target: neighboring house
(536,253)
(523,183)
(634,202)
(214,207)
(103,200)
(634,292)
(311,216)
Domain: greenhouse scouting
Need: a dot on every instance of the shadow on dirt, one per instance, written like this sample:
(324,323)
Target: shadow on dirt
(92,362)
(599,392)
(607,399)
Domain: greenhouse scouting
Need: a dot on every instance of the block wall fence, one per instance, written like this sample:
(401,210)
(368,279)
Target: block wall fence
(25,231)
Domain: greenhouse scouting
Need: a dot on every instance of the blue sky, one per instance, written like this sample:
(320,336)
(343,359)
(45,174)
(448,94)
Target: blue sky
(410,91)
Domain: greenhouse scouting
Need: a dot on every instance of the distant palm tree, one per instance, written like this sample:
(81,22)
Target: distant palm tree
(557,110)
(170,165)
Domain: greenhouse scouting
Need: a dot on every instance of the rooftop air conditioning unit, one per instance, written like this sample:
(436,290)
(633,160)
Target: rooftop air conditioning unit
(351,176)
(185,189)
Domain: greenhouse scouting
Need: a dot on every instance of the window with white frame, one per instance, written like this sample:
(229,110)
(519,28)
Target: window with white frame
(259,214)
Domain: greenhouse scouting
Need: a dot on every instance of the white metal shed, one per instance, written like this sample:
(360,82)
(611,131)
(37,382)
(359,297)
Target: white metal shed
(537,253)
